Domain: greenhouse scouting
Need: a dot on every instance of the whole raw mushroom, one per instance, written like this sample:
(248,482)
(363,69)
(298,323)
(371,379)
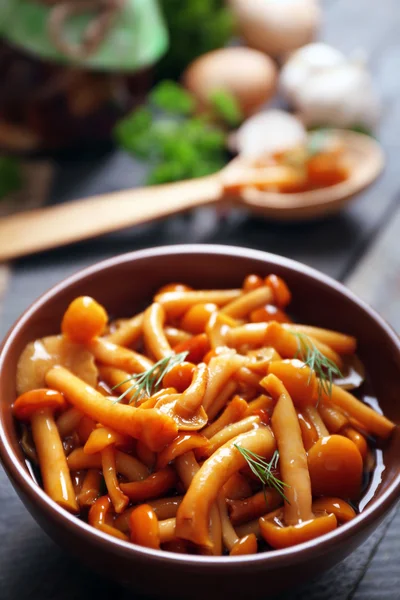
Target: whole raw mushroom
(248,75)
(277,27)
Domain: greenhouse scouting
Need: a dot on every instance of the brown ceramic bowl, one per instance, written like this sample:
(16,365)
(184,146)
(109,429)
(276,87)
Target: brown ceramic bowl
(123,284)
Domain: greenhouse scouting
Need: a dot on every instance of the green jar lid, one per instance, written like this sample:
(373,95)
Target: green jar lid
(137,39)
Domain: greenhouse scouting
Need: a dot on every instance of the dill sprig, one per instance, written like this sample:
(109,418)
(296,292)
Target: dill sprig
(148,382)
(324,368)
(264,470)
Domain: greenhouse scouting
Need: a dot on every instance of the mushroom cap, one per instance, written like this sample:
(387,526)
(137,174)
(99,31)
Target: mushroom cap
(84,320)
(102,437)
(35,400)
(168,405)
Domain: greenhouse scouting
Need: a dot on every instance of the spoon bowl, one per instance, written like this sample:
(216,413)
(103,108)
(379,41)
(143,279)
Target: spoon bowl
(366,162)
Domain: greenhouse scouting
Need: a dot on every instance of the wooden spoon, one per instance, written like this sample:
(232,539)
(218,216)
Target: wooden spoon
(46,228)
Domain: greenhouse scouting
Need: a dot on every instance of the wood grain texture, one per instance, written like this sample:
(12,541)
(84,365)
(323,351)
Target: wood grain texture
(381,580)
(376,279)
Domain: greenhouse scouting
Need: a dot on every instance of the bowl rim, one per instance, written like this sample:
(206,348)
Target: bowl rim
(270,560)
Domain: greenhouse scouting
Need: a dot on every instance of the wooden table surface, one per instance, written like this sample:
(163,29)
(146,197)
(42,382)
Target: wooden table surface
(359,246)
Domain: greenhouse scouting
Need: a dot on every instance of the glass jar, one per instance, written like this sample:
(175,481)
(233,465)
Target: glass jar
(51,100)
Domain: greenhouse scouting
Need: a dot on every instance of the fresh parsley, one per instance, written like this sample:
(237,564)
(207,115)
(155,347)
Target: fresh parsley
(178,143)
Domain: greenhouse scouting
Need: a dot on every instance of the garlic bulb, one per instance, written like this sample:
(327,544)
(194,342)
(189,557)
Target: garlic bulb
(306,62)
(268,132)
(277,26)
(342,96)
(326,88)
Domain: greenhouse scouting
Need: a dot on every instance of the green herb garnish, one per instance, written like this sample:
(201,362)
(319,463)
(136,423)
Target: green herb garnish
(178,144)
(226,107)
(172,98)
(195,27)
(148,382)
(264,470)
(324,368)
(132,133)
(10,175)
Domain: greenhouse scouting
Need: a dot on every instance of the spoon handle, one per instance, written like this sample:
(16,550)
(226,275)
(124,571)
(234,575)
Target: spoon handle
(42,229)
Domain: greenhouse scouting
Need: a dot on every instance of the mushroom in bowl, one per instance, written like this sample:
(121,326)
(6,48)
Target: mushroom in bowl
(316,300)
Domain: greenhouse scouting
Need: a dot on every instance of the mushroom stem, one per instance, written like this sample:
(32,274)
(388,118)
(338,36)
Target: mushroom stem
(118,356)
(150,426)
(166,529)
(286,343)
(193,514)
(230,431)
(98,518)
(229,535)
(244,510)
(53,463)
(117,497)
(176,303)
(339,342)
(128,333)
(315,418)
(369,419)
(187,467)
(190,400)
(90,490)
(242,306)
(292,455)
(153,332)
